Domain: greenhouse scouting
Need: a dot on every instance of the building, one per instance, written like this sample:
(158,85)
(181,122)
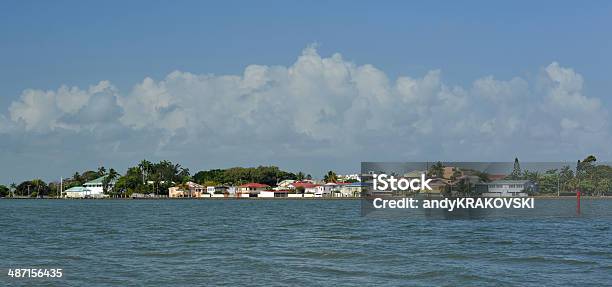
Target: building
(96,186)
(507,188)
(175,191)
(284,184)
(218,189)
(77,192)
(273,193)
(352,189)
(449,172)
(308,186)
(348,177)
(193,190)
(251,189)
(328,189)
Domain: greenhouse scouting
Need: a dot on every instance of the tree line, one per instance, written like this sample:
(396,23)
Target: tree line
(155,178)
(587,177)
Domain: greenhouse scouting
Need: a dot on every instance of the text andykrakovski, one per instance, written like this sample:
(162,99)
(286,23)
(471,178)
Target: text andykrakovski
(455,203)
(384,182)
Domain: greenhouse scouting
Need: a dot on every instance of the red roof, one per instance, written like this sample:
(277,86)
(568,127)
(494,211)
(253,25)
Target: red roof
(254,185)
(304,184)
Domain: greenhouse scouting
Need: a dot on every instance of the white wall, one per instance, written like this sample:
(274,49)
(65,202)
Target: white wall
(267,194)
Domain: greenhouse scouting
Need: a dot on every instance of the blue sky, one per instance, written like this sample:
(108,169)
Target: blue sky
(47,44)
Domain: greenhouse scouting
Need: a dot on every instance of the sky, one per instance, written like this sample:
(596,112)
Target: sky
(306,85)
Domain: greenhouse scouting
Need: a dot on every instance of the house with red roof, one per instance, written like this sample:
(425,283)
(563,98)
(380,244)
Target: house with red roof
(252,188)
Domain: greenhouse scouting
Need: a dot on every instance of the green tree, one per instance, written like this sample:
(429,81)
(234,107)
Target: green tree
(330,177)
(4,191)
(31,188)
(299,176)
(145,167)
(300,190)
(108,179)
(77,177)
(565,178)
(436,170)
(101,171)
(516,170)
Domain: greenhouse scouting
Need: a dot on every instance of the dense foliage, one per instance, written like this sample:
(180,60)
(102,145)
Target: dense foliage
(270,175)
(148,177)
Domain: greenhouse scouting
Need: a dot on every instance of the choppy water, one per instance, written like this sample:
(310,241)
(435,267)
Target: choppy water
(285,242)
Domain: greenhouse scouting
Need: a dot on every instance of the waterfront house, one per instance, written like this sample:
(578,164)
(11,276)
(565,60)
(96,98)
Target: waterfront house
(352,189)
(251,189)
(507,188)
(348,177)
(309,187)
(273,193)
(218,189)
(96,186)
(328,189)
(77,192)
(284,184)
(191,189)
(175,191)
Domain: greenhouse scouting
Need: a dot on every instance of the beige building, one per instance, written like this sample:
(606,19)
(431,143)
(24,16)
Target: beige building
(189,189)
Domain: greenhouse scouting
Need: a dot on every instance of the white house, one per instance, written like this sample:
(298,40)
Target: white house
(308,187)
(327,189)
(273,193)
(352,189)
(509,188)
(284,184)
(347,177)
(77,192)
(96,186)
(217,189)
(251,189)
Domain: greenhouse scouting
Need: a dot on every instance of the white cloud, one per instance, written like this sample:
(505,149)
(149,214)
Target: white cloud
(328,107)
(42,111)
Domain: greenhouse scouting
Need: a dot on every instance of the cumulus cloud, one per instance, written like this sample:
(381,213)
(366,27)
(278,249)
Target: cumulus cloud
(325,107)
(42,111)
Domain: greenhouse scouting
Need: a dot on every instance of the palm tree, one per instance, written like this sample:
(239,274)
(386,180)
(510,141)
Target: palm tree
(110,177)
(101,171)
(76,177)
(37,182)
(145,168)
(330,177)
(299,176)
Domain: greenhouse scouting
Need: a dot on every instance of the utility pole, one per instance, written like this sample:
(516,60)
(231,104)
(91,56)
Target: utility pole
(558,186)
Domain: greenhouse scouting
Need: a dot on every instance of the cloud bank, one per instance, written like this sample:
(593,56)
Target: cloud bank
(316,114)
